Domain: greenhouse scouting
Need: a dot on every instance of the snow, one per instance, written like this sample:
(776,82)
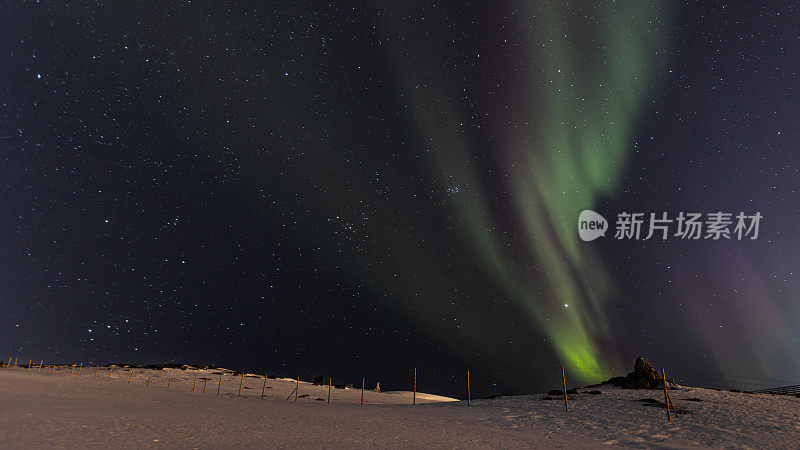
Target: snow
(65,411)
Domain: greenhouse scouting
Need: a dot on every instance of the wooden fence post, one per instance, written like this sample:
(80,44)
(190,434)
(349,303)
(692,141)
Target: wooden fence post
(96,369)
(52,369)
(169,380)
(362,391)
(130,377)
(414,400)
(468,394)
(671,403)
(330,380)
(148,380)
(204,386)
(80,369)
(194,384)
(110,370)
(29,365)
(220,383)
(40,367)
(564,380)
(264,386)
(241,382)
(297,389)
(666,396)
(73,370)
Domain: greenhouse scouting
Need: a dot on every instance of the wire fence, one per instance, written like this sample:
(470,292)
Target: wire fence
(485,383)
(447,382)
(507,382)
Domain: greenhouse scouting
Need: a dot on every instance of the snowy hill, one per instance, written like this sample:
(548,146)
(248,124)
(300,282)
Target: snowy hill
(60,410)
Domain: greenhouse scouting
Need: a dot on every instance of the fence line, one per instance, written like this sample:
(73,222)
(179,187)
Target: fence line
(467,385)
(783,390)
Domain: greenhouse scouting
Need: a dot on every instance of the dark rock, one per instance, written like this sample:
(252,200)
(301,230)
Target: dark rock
(572,391)
(492,397)
(736,390)
(340,386)
(319,399)
(548,398)
(319,381)
(644,376)
(594,392)
(616,381)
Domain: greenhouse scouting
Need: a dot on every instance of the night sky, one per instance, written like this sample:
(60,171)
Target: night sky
(314,188)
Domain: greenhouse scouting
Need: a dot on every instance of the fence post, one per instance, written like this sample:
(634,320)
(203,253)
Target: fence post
(297,390)
(29,365)
(291,394)
(264,386)
(329,389)
(241,382)
(148,380)
(468,394)
(414,401)
(205,382)
(564,380)
(40,367)
(194,385)
(80,369)
(96,369)
(52,369)
(169,380)
(220,383)
(130,377)
(110,370)
(671,403)
(666,396)
(73,370)
(362,391)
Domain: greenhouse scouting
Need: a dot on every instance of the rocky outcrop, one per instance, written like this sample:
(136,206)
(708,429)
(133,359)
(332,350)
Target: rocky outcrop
(644,376)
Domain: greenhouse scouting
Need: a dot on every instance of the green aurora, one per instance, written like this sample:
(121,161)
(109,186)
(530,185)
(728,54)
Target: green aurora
(583,94)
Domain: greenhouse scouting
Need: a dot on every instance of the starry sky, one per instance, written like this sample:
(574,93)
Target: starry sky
(310,187)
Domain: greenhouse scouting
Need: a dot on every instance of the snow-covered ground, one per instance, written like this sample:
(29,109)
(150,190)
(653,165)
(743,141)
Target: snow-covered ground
(60,410)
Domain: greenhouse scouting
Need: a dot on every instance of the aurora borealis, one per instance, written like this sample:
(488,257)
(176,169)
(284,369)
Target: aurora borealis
(586,90)
(379,186)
